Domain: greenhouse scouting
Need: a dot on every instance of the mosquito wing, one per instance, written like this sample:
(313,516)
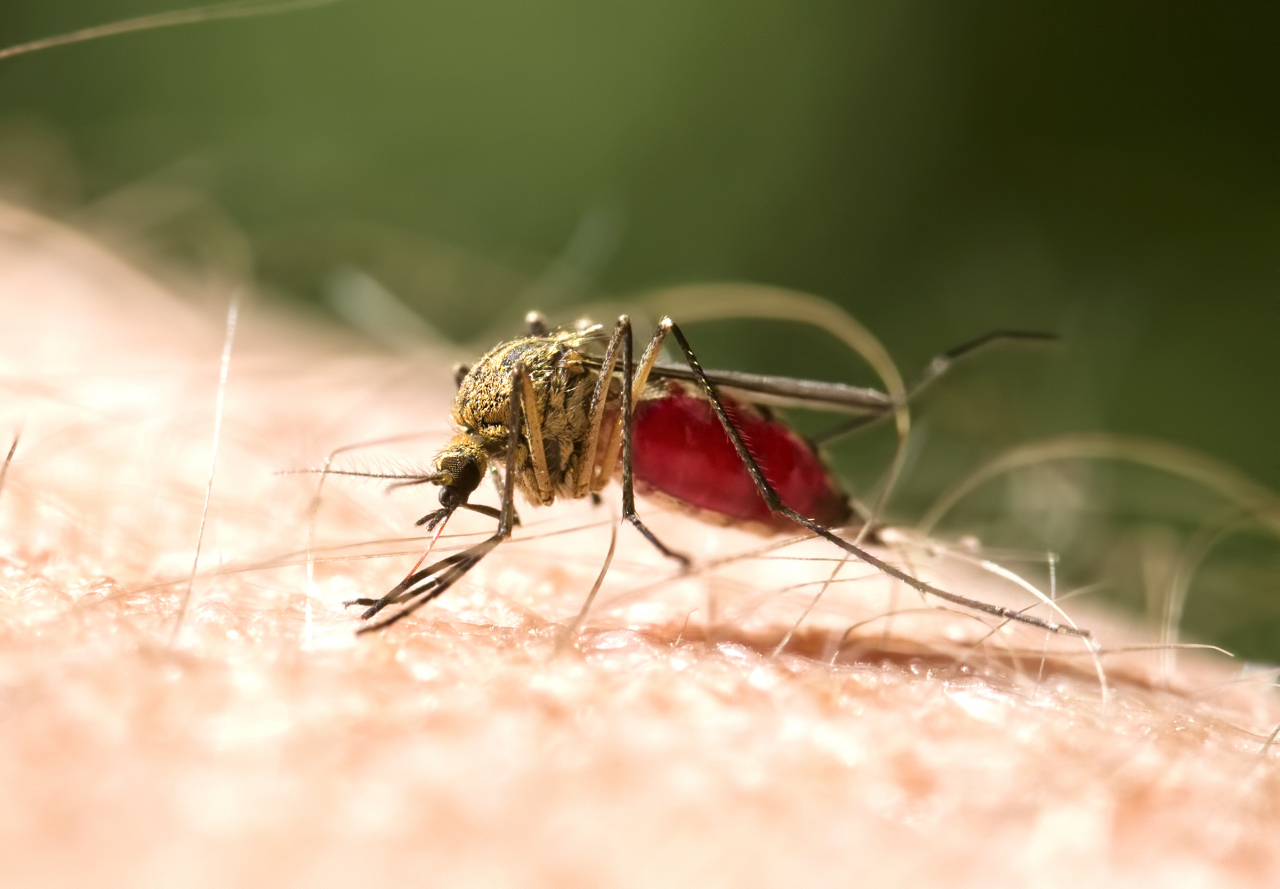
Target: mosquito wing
(787,391)
(759,388)
(782,391)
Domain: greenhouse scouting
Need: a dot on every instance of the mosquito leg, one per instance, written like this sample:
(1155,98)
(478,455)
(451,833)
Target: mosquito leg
(776,505)
(485,510)
(628,491)
(533,423)
(588,464)
(847,427)
(422,586)
(940,365)
(497,484)
(937,367)
(640,377)
(431,519)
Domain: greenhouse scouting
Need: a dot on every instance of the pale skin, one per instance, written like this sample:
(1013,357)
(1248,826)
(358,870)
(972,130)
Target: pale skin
(478,742)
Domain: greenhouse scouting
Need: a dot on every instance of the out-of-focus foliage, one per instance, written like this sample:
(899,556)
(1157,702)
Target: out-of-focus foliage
(1107,171)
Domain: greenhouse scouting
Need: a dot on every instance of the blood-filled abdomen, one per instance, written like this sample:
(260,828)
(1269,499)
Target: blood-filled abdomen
(682,451)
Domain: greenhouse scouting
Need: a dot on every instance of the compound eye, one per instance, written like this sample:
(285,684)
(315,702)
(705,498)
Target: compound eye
(464,475)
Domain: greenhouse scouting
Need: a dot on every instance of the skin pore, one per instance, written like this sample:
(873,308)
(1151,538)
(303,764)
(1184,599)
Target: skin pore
(478,742)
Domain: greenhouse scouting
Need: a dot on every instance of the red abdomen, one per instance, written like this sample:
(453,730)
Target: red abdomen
(682,451)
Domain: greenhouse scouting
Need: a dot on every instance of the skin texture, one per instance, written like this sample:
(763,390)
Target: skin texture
(478,743)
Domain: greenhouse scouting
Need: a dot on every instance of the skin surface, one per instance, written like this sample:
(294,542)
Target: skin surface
(479,743)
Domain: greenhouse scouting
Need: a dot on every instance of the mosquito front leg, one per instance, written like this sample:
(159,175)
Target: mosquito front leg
(775,504)
(422,586)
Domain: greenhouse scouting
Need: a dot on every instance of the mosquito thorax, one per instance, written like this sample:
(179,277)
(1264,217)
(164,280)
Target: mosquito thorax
(561,383)
(484,392)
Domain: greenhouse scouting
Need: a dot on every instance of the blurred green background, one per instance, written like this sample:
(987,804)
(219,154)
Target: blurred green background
(1104,170)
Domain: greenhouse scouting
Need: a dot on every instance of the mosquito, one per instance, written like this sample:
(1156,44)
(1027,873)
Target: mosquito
(564,412)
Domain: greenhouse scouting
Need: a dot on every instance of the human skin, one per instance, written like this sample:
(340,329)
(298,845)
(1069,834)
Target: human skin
(481,741)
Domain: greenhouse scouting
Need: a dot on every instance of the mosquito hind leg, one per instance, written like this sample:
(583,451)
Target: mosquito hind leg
(775,504)
(936,368)
(942,363)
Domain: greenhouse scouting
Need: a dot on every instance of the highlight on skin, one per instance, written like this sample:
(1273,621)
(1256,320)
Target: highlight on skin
(478,742)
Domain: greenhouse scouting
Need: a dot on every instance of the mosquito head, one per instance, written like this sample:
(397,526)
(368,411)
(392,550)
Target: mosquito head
(459,469)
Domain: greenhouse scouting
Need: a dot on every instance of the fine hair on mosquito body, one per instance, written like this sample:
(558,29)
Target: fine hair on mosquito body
(560,414)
